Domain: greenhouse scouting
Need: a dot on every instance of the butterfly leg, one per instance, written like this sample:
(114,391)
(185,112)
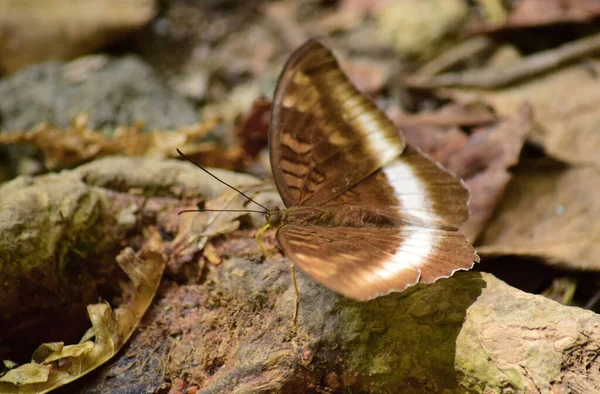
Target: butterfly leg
(256,238)
(297,293)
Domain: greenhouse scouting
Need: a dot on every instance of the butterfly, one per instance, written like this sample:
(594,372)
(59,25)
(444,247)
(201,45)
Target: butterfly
(366,214)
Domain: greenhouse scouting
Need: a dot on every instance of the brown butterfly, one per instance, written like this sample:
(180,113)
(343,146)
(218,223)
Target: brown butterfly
(366,213)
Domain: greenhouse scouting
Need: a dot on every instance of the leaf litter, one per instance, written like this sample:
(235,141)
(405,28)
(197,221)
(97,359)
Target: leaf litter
(77,143)
(54,364)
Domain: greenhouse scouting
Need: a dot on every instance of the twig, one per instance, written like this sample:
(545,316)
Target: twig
(452,56)
(496,77)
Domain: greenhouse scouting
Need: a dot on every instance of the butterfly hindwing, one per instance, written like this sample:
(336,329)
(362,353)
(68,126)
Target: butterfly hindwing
(420,243)
(325,136)
(364,263)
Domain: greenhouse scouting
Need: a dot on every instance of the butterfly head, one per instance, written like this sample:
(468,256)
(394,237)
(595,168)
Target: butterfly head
(274,217)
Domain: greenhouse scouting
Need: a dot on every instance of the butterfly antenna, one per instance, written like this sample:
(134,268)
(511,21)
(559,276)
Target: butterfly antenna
(223,182)
(219,210)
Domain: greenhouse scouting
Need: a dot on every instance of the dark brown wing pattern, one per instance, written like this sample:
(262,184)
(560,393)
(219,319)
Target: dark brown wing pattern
(325,136)
(333,150)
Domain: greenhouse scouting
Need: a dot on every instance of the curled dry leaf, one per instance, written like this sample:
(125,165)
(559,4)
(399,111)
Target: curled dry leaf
(48,352)
(78,143)
(549,212)
(54,364)
(210,252)
(30,373)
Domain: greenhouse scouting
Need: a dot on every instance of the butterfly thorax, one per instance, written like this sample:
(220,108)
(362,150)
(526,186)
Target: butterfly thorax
(344,216)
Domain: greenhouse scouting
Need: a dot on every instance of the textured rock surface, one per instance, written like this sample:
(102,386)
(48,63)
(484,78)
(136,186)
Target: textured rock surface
(59,234)
(112,91)
(471,333)
(230,330)
(51,243)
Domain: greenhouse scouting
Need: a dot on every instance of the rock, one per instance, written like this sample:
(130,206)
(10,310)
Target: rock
(231,329)
(33,32)
(51,245)
(59,235)
(469,333)
(112,91)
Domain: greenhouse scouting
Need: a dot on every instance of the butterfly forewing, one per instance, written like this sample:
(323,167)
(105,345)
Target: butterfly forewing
(369,215)
(325,136)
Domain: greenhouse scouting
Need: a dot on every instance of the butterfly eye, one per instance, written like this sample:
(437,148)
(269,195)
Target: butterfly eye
(274,218)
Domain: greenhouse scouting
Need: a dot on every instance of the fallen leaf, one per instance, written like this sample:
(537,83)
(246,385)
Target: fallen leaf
(78,143)
(196,228)
(54,365)
(550,212)
(527,13)
(369,75)
(364,7)
(210,252)
(30,373)
(481,160)
(568,118)
(253,127)
(52,351)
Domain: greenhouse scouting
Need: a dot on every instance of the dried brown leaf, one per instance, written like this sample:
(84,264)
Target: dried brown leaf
(52,351)
(549,212)
(78,143)
(210,252)
(568,117)
(253,127)
(196,228)
(418,28)
(30,373)
(54,364)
